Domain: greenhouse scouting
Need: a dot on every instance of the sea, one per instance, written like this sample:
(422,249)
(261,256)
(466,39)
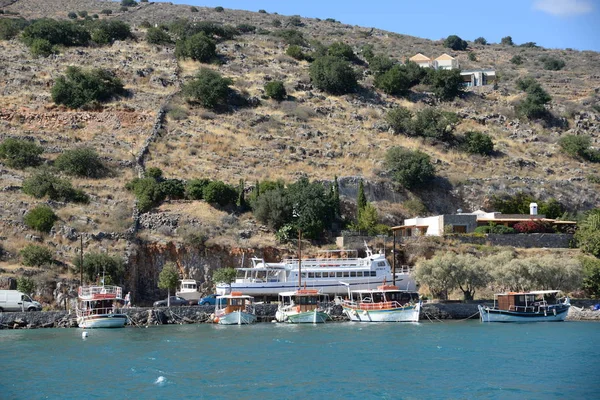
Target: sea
(440,360)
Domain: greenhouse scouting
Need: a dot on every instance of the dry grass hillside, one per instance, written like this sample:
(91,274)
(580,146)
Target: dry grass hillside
(311,134)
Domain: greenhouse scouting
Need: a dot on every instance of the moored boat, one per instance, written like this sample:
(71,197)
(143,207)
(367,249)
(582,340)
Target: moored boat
(235,309)
(100,307)
(525,307)
(387,303)
(188,289)
(303,306)
(324,273)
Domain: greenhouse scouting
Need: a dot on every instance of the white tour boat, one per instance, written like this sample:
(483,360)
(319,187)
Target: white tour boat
(235,309)
(100,307)
(387,303)
(525,307)
(188,289)
(303,306)
(323,273)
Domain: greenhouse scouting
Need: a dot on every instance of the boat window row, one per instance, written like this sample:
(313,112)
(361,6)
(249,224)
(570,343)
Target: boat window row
(340,274)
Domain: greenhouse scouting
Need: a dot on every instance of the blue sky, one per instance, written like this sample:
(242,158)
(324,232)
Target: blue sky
(549,23)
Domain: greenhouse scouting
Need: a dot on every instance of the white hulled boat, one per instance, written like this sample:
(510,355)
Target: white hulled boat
(188,289)
(235,309)
(387,303)
(323,273)
(525,307)
(100,307)
(303,306)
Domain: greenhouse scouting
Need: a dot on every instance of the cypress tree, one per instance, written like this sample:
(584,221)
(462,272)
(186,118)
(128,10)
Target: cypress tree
(361,199)
(241,201)
(336,197)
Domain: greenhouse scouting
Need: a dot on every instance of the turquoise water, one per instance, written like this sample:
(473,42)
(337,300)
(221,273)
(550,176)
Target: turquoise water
(455,360)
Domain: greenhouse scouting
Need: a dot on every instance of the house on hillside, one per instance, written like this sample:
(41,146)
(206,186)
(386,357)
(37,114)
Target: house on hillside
(478,77)
(445,61)
(421,60)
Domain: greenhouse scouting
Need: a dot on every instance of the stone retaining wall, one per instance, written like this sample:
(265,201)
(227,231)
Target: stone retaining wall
(266,313)
(523,240)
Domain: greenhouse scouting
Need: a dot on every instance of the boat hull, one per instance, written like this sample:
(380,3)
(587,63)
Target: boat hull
(308,317)
(493,315)
(324,286)
(401,314)
(237,318)
(102,321)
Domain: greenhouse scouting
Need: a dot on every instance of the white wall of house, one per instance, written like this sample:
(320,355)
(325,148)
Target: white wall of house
(446,64)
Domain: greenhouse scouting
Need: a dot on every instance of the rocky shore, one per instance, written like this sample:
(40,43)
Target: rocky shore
(434,312)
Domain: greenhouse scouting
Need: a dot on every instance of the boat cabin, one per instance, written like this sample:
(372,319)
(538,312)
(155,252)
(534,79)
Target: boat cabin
(523,302)
(304,299)
(234,302)
(188,285)
(385,293)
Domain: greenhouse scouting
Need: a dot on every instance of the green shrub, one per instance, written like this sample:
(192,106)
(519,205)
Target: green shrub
(194,189)
(395,81)
(100,264)
(65,33)
(380,64)
(95,16)
(41,48)
(591,276)
(219,193)
(276,23)
(409,168)
(455,43)
(341,50)
(34,255)
(154,173)
(106,11)
(158,36)
(72,15)
(446,84)
(273,208)
(478,143)
(433,123)
(209,89)
(333,75)
(82,162)
(194,9)
(295,20)
(291,36)
(41,218)
(262,11)
(472,56)
(400,120)
(507,41)
(517,59)
(246,28)
(82,14)
(552,63)
(533,106)
(575,146)
(295,52)
(79,88)
(219,9)
(177,113)
(480,40)
(128,3)
(275,90)
(19,153)
(123,9)
(367,52)
(25,285)
(43,183)
(10,28)
(107,31)
(148,192)
(198,47)
(173,189)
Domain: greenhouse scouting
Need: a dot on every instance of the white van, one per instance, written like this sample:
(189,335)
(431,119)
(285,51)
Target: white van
(13,300)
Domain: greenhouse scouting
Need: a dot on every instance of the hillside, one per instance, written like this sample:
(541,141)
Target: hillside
(312,134)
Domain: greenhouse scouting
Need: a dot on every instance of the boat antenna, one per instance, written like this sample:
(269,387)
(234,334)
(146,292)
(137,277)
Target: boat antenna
(81,258)
(369,252)
(394,259)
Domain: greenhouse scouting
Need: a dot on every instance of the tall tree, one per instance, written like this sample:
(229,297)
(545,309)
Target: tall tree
(241,200)
(168,279)
(336,198)
(361,198)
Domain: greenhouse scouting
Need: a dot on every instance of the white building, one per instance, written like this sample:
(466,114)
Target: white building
(421,60)
(445,61)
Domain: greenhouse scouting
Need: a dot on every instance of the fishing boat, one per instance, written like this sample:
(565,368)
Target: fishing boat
(100,307)
(526,307)
(235,309)
(387,303)
(308,306)
(323,273)
(188,289)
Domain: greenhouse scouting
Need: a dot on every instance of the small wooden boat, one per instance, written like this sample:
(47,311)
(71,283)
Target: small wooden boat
(308,306)
(387,303)
(100,307)
(235,309)
(525,307)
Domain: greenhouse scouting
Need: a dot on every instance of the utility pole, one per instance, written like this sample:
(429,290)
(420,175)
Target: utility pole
(394,259)
(299,259)
(81,259)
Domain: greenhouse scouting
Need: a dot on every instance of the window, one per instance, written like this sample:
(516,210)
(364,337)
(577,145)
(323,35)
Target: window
(311,274)
(346,274)
(332,274)
(353,274)
(359,274)
(459,229)
(381,264)
(317,274)
(373,273)
(338,274)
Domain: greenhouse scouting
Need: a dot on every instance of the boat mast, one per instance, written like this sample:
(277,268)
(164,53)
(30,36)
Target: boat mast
(299,258)
(394,260)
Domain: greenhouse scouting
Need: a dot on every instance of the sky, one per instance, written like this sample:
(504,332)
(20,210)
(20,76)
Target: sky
(550,23)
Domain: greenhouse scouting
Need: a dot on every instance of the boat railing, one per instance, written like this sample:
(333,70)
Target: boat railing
(100,292)
(86,312)
(384,305)
(522,308)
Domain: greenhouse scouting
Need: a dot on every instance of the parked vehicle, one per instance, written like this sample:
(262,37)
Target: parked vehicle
(13,300)
(174,301)
(210,300)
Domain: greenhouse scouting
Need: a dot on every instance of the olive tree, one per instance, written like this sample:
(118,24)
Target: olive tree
(409,168)
(224,275)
